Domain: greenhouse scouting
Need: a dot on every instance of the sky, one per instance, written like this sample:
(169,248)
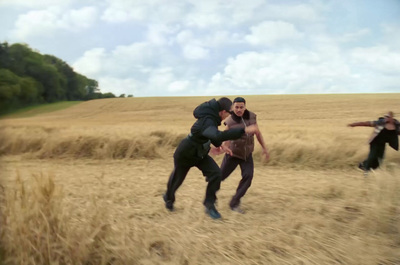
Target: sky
(216,47)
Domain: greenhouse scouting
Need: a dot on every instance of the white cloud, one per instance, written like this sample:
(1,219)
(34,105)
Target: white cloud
(244,11)
(178,86)
(154,11)
(193,52)
(131,61)
(35,4)
(122,11)
(80,18)
(136,53)
(158,47)
(293,12)
(355,36)
(160,34)
(184,37)
(131,66)
(118,86)
(196,47)
(206,14)
(391,35)
(226,14)
(52,19)
(160,78)
(219,38)
(91,63)
(288,72)
(378,58)
(271,32)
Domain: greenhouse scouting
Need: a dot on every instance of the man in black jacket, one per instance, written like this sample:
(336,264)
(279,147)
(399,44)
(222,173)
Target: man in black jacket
(193,151)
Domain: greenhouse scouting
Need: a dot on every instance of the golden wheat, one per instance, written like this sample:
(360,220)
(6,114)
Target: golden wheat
(84,186)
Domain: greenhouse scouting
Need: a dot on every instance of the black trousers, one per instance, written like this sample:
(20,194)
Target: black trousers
(228,165)
(186,157)
(375,156)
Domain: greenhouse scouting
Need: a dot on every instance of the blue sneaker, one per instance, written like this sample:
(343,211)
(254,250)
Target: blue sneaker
(168,203)
(212,212)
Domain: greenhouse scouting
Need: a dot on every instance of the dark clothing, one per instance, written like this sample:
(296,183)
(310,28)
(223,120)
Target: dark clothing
(392,139)
(242,150)
(206,127)
(243,146)
(193,151)
(185,158)
(228,165)
(377,148)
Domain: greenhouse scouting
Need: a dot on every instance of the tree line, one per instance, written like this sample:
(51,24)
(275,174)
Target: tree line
(28,78)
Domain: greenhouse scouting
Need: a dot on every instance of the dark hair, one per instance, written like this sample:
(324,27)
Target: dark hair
(239,99)
(224,104)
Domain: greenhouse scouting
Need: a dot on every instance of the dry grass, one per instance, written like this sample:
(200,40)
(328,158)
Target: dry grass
(84,186)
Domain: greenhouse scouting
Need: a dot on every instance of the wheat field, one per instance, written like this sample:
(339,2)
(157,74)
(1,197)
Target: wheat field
(84,185)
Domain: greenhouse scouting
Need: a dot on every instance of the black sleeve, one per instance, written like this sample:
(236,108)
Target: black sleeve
(217,137)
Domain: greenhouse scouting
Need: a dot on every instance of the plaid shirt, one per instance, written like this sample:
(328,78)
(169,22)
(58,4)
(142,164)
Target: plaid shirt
(379,126)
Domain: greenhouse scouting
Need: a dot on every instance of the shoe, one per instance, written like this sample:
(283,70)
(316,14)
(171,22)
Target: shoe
(364,170)
(168,203)
(213,213)
(237,209)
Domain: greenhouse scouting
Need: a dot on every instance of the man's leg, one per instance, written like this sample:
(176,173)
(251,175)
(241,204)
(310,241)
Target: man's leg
(212,173)
(380,153)
(176,179)
(372,160)
(247,168)
(228,165)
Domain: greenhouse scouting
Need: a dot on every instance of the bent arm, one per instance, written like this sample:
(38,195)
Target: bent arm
(226,143)
(260,139)
(217,137)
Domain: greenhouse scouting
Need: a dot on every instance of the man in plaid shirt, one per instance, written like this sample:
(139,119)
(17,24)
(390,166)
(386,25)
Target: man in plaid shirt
(386,130)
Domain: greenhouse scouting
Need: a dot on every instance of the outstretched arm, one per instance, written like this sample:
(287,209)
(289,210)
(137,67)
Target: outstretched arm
(362,123)
(217,137)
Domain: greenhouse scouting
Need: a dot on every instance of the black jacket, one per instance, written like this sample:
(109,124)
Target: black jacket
(206,127)
(379,126)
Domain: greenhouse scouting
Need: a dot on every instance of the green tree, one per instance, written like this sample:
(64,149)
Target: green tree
(9,85)
(73,89)
(4,55)
(9,89)
(28,77)
(108,95)
(30,89)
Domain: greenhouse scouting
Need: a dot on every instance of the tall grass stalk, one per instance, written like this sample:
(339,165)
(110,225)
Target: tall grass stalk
(38,229)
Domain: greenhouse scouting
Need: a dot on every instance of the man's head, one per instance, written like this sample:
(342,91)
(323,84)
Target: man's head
(389,117)
(239,106)
(225,105)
